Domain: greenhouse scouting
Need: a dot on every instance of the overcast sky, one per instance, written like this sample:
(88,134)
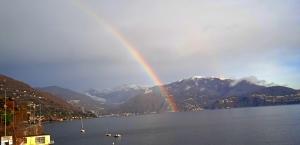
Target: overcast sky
(56,42)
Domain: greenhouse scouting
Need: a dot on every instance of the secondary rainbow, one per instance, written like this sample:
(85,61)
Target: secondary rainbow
(136,55)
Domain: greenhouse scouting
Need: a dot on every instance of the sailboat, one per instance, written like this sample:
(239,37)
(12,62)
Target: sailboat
(82,129)
(117,135)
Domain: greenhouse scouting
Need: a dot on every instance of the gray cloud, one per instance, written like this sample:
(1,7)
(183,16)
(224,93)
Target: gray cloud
(254,80)
(56,42)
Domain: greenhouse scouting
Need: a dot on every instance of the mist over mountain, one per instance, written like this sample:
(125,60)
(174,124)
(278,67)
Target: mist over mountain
(75,98)
(117,95)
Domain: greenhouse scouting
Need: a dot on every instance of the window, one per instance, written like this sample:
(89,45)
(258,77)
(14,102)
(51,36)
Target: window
(40,140)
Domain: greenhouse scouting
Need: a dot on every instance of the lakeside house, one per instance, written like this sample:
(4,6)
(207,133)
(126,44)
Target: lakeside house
(38,140)
(6,140)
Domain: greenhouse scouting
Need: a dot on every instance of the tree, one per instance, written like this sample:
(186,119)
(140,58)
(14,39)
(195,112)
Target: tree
(9,117)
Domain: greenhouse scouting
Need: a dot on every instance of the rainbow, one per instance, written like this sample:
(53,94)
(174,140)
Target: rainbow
(136,55)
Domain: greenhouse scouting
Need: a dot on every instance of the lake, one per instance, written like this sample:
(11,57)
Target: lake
(274,125)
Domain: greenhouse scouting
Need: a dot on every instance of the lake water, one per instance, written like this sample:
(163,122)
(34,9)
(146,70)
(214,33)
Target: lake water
(276,125)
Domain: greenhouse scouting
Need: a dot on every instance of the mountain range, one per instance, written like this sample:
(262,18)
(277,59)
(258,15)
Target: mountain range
(38,101)
(117,95)
(190,94)
(197,93)
(74,98)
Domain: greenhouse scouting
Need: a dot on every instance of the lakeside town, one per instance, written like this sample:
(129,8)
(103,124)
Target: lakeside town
(24,110)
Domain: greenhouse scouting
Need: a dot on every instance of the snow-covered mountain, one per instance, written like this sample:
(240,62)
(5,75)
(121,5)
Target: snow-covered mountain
(117,95)
(197,92)
(194,93)
(193,86)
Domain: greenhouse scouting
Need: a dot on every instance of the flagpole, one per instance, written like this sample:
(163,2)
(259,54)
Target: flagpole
(5,112)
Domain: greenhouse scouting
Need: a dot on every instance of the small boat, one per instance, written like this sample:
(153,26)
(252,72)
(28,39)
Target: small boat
(117,135)
(107,134)
(82,129)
